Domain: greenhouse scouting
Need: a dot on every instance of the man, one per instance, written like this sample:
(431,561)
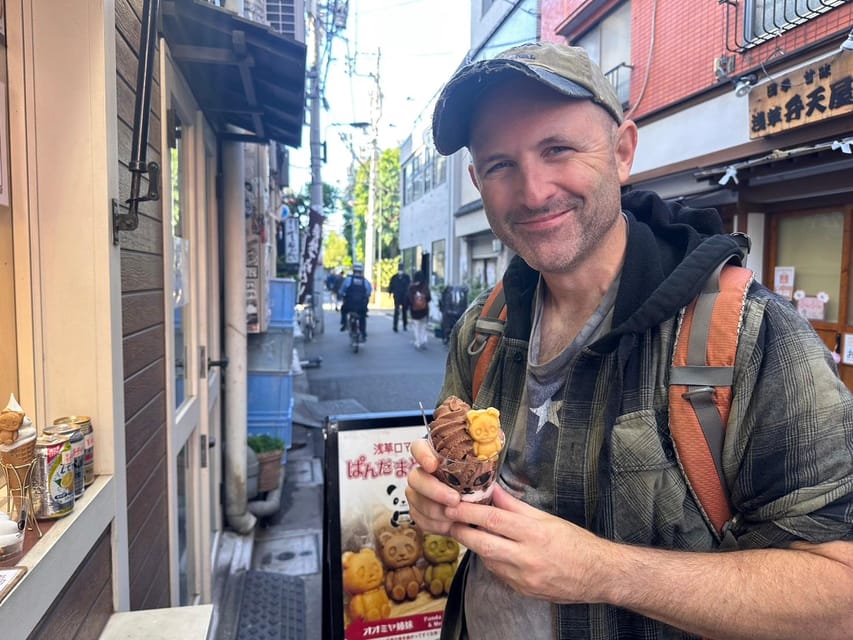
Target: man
(593,532)
(398,287)
(355,293)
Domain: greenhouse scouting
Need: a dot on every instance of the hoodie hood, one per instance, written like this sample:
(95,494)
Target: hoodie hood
(672,250)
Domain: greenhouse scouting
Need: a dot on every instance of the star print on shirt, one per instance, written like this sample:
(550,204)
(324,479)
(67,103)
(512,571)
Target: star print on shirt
(547,412)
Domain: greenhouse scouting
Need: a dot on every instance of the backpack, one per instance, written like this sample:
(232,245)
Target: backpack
(356,293)
(700,382)
(419,300)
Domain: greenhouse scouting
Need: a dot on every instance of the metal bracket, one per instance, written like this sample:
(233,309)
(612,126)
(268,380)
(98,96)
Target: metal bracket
(130,221)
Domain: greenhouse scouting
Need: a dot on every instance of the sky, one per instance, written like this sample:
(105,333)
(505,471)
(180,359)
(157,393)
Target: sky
(420,43)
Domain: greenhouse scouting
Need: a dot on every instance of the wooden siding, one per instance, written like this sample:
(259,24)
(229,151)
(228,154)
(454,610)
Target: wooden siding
(82,610)
(143,328)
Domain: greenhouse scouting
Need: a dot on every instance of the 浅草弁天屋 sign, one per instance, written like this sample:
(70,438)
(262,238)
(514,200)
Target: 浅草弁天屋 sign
(818,91)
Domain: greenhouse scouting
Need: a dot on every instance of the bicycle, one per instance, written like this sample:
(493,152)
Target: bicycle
(307,318)
(354,326)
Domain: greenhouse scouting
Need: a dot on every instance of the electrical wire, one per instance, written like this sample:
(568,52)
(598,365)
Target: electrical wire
(648,62)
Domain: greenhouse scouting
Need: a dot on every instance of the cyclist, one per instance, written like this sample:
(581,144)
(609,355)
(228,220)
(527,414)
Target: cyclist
(355,293)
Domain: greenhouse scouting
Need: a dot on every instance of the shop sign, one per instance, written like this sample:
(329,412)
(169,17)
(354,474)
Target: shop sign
(819,91)
(373,546)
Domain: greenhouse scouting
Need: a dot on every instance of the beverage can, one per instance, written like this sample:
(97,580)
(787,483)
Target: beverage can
(85,425)
(52,484)
(75,438)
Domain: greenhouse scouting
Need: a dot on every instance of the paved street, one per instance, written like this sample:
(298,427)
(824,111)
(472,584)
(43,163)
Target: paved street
(387,374)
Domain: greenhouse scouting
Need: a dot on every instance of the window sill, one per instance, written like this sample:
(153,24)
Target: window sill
(53,559)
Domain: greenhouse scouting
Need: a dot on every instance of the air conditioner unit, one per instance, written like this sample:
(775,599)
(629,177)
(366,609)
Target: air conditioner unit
(497,245)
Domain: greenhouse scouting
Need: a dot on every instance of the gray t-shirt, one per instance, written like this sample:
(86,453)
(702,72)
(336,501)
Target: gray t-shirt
(528,474)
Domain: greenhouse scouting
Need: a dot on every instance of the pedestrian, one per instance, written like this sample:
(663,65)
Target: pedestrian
(355,295)
(419,298)
(593,531)
(398,287)
(333,284)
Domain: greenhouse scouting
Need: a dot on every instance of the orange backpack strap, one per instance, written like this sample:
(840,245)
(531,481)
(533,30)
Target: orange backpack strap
(487,333)
(700,392)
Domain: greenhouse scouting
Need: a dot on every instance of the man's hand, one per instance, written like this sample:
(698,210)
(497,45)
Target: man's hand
(535,553)
(427,495)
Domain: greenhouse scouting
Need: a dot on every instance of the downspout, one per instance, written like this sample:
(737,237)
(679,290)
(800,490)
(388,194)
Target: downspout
(236,390)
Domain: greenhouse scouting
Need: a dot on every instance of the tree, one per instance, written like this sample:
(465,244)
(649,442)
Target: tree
(387,214)
(336,253)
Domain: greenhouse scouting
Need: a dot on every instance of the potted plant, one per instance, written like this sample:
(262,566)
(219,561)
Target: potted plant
(269,451)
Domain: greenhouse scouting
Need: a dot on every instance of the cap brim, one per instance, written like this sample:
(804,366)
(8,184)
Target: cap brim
(451,120)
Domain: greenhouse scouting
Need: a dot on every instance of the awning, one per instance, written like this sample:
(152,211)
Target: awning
(241,72)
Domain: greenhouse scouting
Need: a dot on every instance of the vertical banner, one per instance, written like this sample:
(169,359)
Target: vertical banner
(310,254)
(290,231)
(384,578)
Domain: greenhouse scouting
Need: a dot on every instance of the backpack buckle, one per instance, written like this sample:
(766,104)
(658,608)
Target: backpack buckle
(704,392)
(477,344)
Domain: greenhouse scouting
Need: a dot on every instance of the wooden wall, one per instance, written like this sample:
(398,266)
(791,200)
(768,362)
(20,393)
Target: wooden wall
(143,331)
(84,607)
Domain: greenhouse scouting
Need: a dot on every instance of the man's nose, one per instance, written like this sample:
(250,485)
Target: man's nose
(536,190)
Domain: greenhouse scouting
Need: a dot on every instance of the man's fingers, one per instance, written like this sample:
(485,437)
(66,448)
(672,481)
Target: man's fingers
(424,455)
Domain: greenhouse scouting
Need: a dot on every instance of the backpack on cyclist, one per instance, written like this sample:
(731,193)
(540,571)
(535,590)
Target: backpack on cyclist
(356,293)
(419,300)
(700,384)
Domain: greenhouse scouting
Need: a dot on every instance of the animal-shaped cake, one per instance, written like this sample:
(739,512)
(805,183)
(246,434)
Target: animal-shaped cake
(363,577)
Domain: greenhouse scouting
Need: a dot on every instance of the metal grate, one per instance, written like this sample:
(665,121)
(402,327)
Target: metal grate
(751,22)
(272,607)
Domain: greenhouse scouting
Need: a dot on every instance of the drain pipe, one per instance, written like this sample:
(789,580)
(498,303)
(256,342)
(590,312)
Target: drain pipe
(236,392)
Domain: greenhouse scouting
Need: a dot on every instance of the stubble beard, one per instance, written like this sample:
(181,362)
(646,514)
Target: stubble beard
(587,230)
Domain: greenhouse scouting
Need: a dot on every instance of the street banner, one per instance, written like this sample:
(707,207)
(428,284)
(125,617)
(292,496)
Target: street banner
(310,254)
(383,578)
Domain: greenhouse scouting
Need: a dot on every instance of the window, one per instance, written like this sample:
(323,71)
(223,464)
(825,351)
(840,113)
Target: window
(609,45)
(485,6)
(809,264)
(768,18)
(813,246)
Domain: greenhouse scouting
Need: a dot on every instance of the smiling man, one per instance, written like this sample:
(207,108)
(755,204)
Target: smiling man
(595,531)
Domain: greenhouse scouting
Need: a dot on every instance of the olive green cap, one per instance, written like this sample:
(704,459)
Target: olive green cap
(567,70)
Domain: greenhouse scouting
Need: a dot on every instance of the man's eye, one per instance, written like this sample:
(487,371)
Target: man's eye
(496,167)
(555,151)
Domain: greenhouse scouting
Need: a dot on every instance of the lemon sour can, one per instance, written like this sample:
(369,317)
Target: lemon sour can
(53,477)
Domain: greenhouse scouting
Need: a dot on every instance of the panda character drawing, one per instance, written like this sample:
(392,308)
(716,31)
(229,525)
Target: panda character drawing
(399,506)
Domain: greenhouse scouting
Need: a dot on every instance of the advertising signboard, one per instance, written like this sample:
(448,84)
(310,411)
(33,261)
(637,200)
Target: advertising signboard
(383,578)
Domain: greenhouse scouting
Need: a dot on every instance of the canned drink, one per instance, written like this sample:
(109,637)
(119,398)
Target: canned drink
(76,439)
(52,484)
(85,425)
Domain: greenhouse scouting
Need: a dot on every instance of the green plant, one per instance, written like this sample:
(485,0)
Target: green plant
(265,443)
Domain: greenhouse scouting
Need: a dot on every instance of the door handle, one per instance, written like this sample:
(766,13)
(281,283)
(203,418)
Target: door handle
(217,363)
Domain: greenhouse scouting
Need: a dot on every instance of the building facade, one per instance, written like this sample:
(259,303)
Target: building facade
(123,253)
(746,107)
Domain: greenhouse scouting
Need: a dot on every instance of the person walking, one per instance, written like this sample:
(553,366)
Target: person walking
(398,287)
(419,298)
(593,530)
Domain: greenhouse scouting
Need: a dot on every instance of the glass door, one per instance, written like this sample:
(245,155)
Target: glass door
(185,254)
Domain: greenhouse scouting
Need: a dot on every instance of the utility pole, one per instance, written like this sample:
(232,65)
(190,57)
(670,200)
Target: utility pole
(369,219)
(316,145)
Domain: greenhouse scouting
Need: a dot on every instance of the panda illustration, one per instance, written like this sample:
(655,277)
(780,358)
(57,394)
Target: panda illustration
(399,506)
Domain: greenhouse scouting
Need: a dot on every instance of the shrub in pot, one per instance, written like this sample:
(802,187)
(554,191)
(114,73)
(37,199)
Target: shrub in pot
(269,451)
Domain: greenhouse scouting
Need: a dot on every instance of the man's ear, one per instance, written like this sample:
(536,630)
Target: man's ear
(624,149)
(473,174)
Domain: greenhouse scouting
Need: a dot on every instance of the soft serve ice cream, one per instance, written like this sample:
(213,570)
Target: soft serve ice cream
(468,443)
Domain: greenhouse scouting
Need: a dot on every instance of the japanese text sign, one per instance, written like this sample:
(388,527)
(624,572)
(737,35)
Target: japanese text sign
(377,590)
(816,92)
